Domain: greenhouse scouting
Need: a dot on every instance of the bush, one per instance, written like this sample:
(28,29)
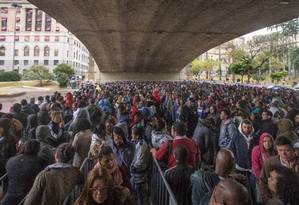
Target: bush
(9,76)
(62,79)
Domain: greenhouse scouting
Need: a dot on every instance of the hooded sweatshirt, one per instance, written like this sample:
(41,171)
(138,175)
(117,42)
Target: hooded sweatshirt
(242,145)
(259,155)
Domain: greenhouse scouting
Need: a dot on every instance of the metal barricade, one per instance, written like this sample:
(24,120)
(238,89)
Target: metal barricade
(3,185)
(160,191)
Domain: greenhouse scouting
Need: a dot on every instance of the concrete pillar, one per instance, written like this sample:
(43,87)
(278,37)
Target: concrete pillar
(120,76)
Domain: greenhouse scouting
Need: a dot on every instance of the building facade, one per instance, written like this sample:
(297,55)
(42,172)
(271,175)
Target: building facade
(29,36)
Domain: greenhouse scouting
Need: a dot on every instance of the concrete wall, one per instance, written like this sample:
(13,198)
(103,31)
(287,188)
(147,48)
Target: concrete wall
(120,76)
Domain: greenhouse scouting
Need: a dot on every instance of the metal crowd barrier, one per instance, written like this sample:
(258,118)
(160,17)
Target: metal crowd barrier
(160,191)
(3,185)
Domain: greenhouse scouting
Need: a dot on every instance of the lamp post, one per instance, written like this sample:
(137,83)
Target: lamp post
(15,5)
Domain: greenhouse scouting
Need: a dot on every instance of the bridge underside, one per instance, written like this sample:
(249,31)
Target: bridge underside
(161,35)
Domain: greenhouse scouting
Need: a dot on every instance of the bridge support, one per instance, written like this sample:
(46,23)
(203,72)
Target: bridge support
(121,76)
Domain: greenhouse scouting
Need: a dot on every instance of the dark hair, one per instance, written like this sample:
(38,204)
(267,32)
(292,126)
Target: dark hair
(287,184)
(104,150)
(269,113)
(137,131)
(117,130)
(65,152)
(31,147)
(282,140)
(81,124)
(180,128)
(16,107)
(181,154)
(24,102)
(40,98)
(160,124)
(227,113)
(247,122)
(43,118)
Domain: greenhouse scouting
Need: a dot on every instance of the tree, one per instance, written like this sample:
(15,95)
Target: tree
(199,66)
(62,73)
(279,75)
(9,76)
(38,72)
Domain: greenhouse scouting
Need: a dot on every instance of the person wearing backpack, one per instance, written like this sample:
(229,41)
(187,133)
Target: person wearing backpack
(179,130)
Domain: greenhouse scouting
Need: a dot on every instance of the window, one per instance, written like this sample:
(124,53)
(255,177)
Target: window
(1,62)
(26,62)
(47,23)
(16,52)
(36,38)
(35,62)
(56,62)
(16,62)
(2,38)
(28,24)
(26,51)
(56,52)
(46,62)
(26,38)
(3,24)
(36,51)
(18,19)
(56,38)
(46,51)
(57,29)
(2,51)
(18,9)
(17,38)
(17,28)
(38,20)
(47,38)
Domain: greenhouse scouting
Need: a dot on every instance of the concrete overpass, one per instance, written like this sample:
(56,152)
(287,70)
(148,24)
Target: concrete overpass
(156,38)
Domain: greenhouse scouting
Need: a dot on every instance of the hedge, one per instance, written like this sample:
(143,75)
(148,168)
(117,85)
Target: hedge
(9,76)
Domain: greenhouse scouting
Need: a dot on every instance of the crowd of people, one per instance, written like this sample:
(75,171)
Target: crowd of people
(215,143)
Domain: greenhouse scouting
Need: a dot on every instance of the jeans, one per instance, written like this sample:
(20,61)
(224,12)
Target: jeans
(141,190)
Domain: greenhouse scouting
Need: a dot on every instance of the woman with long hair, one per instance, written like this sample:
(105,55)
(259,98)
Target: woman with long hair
(99,190)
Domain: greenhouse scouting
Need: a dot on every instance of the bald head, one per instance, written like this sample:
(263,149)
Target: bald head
(225,162)
(229,192)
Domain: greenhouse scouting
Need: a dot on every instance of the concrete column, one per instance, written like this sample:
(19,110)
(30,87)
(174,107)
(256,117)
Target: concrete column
(120,76)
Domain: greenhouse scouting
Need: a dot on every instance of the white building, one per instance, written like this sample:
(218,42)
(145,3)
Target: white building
(38,39)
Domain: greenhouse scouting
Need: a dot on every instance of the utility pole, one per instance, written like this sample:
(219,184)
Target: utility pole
(219,61)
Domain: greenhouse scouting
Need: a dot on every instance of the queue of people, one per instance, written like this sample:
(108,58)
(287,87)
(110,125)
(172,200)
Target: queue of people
(215,143)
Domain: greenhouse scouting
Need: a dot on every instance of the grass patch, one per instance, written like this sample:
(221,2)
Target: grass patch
(33,83)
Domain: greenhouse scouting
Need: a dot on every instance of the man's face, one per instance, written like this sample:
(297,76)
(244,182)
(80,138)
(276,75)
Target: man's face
(223,116)
(286,152)
(297,119)
(265,116)
(246,128)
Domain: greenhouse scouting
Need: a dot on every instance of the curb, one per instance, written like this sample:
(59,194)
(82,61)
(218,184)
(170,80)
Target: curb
(12,95)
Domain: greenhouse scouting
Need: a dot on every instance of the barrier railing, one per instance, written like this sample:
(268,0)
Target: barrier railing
(160,191)
(3,185)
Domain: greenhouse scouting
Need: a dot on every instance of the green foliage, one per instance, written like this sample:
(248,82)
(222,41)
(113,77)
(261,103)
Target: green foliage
(62,79)
(9,76)
(62,73)
(64,68)
(259,77)
(279,75)
(295,58)
(199,66)
(38,72)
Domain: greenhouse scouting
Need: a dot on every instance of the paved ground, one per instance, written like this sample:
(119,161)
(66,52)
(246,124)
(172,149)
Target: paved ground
(30,92)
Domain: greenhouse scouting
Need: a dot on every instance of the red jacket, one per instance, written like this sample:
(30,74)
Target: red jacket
(191,146)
